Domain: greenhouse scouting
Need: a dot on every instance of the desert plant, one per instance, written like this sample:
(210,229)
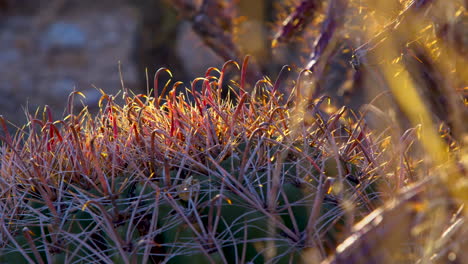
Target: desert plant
(232,171)
(255,179)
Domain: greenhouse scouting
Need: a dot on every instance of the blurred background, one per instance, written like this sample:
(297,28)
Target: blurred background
(48,48)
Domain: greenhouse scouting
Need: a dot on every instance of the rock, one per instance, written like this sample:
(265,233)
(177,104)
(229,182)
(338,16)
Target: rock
(92,97)
(9,56)
(197,57)
(62,88)
(46,52)
(63,35)
(110,27)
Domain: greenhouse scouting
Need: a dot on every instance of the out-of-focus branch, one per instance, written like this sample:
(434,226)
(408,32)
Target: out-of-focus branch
(186,8)
(212,23)
(334,20)
(295,23)
(215,37)
(326,41)
(428,73)
(361,52)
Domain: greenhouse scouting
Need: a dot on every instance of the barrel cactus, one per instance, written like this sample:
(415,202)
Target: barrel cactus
(199,175)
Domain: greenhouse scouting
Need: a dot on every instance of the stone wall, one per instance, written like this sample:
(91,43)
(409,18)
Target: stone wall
(48,48)
(59,46)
